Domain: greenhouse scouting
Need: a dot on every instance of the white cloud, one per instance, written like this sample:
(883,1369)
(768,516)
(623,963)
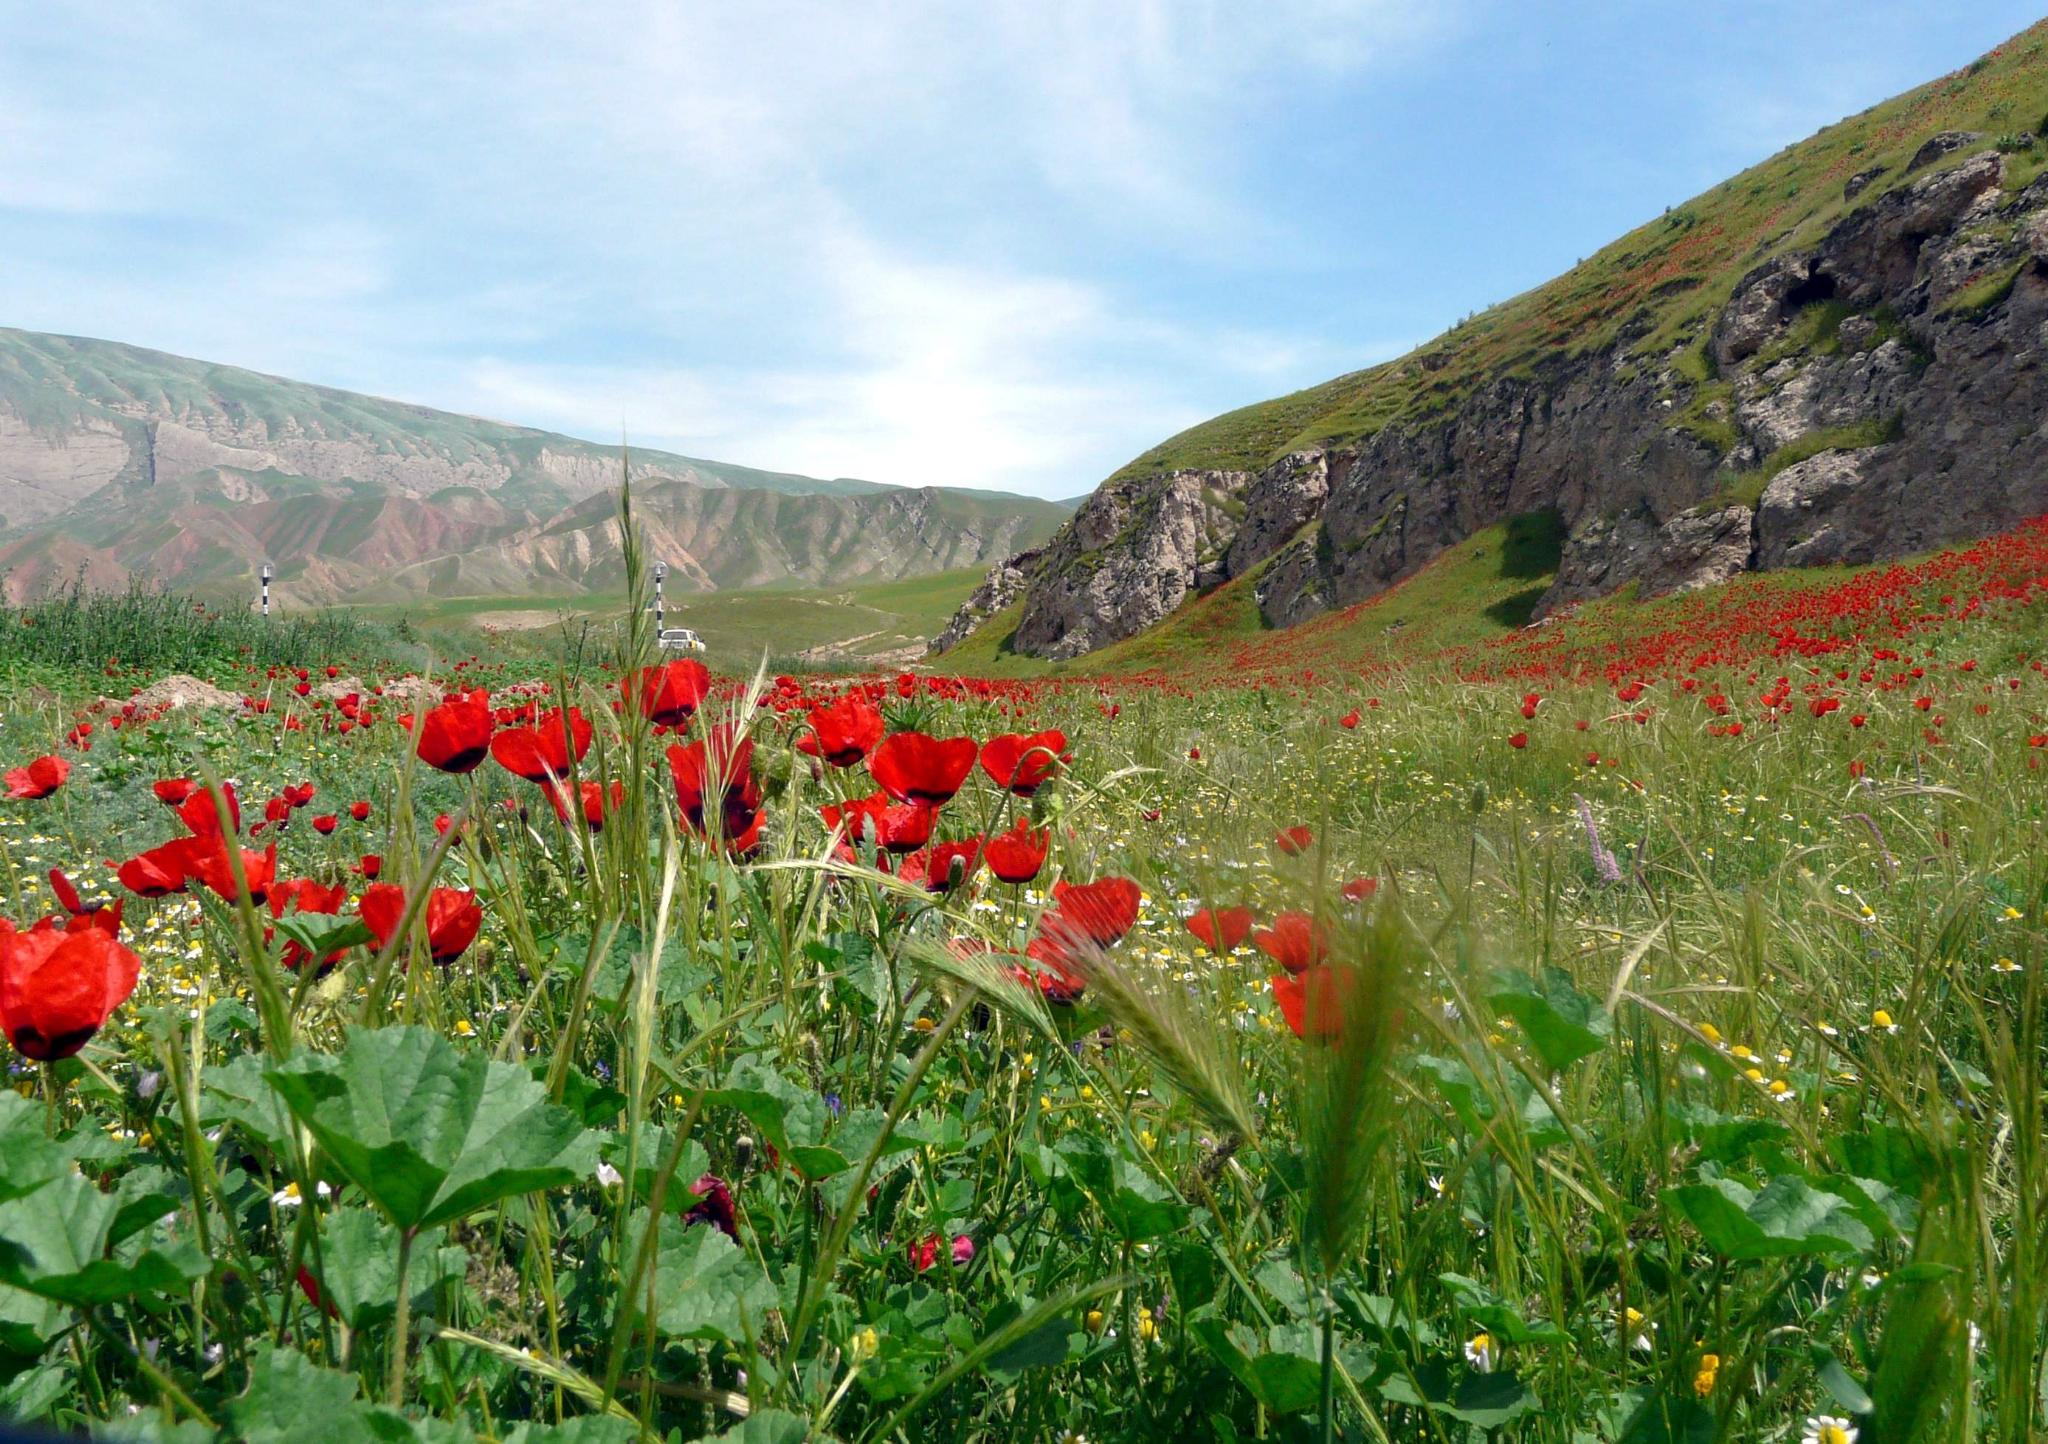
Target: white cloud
(911,240)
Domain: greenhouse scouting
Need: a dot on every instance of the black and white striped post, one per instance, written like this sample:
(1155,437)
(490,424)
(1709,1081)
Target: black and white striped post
(660,572)
(266,589)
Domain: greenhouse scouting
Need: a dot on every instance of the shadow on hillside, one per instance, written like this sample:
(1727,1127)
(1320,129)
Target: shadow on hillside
(1533,547)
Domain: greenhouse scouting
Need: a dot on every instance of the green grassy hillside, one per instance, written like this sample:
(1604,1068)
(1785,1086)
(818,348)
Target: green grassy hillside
(1657,286)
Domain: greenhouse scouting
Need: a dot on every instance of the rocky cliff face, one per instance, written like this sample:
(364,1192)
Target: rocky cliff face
(1877,392)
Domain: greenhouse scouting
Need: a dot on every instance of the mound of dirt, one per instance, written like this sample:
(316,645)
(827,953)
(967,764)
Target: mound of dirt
(179,690)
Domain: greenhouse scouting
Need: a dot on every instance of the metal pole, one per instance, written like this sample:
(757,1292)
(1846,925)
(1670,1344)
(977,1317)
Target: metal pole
(660,572)
(266,589)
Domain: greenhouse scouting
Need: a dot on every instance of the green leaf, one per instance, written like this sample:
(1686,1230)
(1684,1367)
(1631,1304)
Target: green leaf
(1839,1382)
(1283,1371)
(1562,1024)
(785,1114)
(28,1159)
(591,1429)
(1485,1400)
(61,1234)
(1040,1347)
(1136,1207)
(705,1285)
(772,1426)
(358,1267)
(320,935)
(429,1133)
(286,1390)
(1787,1219)
(237,1093)
(1669,1419)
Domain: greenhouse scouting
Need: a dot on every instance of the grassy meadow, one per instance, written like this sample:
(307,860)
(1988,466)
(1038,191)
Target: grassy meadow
(1630,1030)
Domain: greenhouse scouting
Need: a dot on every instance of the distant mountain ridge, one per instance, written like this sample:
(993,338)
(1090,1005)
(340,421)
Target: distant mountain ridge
(117,461)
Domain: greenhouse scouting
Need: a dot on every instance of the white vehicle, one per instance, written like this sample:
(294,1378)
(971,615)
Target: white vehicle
(680,639)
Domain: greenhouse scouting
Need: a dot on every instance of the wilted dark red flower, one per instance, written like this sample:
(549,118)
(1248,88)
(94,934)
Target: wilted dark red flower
(669,694)
(453,917)
(1018,855)
(1221,929)
(714,1206)
(456,736)
(58,987)
(912,767)
(39,779)
(1294,941)
(1021,764)
(542,751)
(843,732)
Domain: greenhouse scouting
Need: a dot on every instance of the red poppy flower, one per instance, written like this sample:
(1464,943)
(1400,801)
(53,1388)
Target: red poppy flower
(39,779)
(452,917)
(1519,741)
(360,811)
(669,694)
(904,828)
(370,866)
(714,778)
(79,914)
(59,987)
(1021,764)
(1102,911)
(1349,719)
(326,823)
(1313,1004)
(202,818)
(172,791)
(912,767)
(1361,888)
(1017,856)
(1294,941)
(158,872)
(303,895)
(941,860)
(1293,841)
(859,816)
(593,804)
(456,736)
(210,865)
(924,1252)
(843,732)
(541,752)
(1221,929)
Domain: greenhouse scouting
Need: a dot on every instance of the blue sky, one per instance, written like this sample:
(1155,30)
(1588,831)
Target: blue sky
(1009,243)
